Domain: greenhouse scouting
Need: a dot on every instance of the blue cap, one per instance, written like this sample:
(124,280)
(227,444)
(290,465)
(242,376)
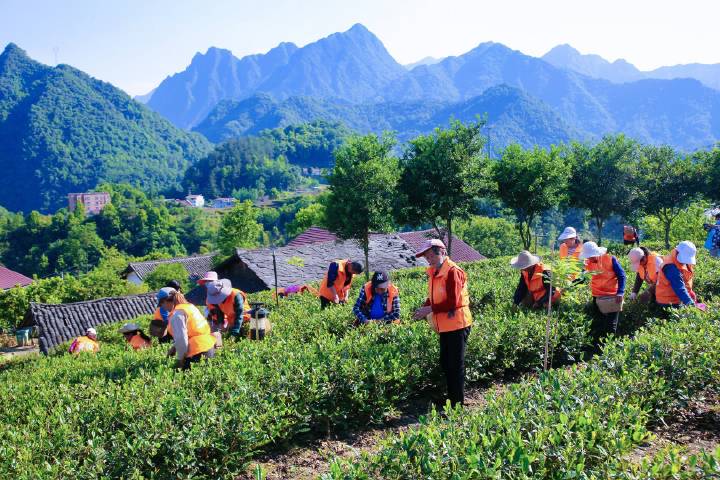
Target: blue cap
(164,293)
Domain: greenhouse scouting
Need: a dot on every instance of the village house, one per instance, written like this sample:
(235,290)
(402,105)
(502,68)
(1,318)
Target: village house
(10,279)
(196,267)
(93,202)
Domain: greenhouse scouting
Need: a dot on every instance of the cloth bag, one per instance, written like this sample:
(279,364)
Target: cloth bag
(608,304)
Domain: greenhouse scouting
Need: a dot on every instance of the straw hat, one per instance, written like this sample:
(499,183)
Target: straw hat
(591,249)
(524,260)
(686,252)
(569,232)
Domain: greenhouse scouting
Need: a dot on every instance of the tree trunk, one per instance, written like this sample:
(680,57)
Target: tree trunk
(449,237)
(599,224)
(668,225)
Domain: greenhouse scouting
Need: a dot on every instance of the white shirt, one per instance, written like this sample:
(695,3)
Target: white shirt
(180,333)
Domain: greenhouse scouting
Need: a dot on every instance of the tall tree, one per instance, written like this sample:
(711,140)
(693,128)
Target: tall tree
(603,178)
(709,165)
(442,175)
(239,228)
(362,188)
(530,182)
(669,184)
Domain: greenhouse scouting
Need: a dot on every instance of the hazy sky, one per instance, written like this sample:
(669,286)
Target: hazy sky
(134,44)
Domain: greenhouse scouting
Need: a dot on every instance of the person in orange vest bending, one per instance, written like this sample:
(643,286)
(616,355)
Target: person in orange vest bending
(607,286)
(228,307)
(534,287)
(337,282)
(135,337)
(571,245)
(675,279)
(190,331)
(86,343)
(647,265)
(448,308)
(378,301)
(630,235)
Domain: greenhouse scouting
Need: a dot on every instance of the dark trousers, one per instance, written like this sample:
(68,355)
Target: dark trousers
(324,303)
(605,323)
(196,358)
(452,360)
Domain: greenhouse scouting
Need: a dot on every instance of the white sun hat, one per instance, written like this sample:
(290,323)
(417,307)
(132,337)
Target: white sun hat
(591,249)
(524,260)
(569,232)
(686,252)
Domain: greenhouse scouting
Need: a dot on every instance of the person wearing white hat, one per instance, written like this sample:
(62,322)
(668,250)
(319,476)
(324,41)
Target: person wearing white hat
(571,245)
(646,265)
(607,286)
(448,303)
(712,242)
(86,343)
(134,336)
(378,301)
(534,287)
(675,281)
(228,307)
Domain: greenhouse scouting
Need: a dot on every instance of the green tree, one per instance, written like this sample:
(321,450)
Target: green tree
(493,237)
(669,184)
(709,165)
(312,215)
(603,179)
(530,182)
(239,229)
(442,175)
(165,272)
(687,225)
(362,186)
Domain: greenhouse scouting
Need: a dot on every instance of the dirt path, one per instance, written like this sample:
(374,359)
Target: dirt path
(8,352)
(313,459)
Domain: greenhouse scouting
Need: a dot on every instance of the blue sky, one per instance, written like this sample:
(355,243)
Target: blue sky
(135,44)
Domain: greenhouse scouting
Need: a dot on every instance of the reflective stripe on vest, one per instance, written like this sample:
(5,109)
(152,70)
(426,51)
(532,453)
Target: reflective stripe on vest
(604,283)
(535,284)
(664,293)
(392,293)
(648,272)
(437,294)
(86,344)
(199,337)
(339,284)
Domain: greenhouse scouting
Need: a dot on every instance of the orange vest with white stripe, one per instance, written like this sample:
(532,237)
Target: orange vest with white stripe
(649,271)
(86,344)
(437,294)
(339,284)
(392,293)
(664,293)
(564,251)
(228,307)
(198,330)
(535,284)
(604,283)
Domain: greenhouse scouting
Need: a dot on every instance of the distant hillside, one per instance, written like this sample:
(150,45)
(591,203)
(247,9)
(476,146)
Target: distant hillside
(512,116)
(63,131)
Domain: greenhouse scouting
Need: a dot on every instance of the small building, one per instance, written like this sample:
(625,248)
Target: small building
(252,270)
(224,202)
(197,201)
(196,267)
(58,323)
(93,202)
(10,279)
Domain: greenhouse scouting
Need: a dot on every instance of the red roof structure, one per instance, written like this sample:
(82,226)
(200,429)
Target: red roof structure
(10,279)
(461,251)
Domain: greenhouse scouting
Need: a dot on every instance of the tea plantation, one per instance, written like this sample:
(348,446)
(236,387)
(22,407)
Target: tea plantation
(129,414)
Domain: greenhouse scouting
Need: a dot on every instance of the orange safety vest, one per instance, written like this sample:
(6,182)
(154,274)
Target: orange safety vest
(228,307)
(649,272)
(664,293)
(85,344)
(138,343)
(392,293)
(157,315)
(535,283)
(199,337)
(605,283)
(438,294)
(629,233)
(564,251)
(340,287)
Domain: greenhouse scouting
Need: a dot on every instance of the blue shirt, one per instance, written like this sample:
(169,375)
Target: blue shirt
(677,283)
(376,309)
(620,274)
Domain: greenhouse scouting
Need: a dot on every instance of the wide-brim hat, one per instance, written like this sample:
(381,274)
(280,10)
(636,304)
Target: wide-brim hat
(208,277)
(686,252)
(433,242)
(569,232)
(129,328)
(524,260)
(591,249)
(218,291)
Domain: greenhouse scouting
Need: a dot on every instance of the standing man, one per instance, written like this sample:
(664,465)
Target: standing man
(449,304)
(337,282)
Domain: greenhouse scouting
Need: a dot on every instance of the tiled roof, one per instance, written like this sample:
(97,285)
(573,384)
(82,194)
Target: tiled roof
(387,252)
(312,235)
(10,279)
(196,266)
(461,251)
(63,322)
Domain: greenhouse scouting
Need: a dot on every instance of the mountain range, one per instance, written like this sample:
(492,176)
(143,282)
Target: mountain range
(351,72)
(63,131)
